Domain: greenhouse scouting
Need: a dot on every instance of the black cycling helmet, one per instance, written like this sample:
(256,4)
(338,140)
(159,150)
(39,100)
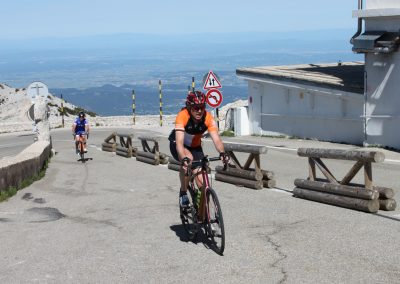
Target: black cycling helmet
(81,114)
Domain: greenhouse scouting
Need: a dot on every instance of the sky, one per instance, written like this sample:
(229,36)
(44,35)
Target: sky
(22,19)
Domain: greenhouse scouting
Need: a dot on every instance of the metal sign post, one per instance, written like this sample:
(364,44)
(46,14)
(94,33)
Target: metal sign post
(211,83)
(159,87)
(133,107)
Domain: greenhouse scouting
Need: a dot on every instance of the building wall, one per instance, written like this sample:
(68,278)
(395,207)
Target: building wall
(382,107)
(382,4)
(278,108)
(383,99)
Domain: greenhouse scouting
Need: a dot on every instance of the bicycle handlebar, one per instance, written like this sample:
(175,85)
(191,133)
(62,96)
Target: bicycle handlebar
(200,163)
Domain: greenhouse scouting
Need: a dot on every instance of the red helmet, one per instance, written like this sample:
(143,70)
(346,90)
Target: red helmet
(195,98)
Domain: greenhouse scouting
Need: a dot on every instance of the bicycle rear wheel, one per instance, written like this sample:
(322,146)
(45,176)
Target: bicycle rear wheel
(215,222)
(81,151)
(189,217)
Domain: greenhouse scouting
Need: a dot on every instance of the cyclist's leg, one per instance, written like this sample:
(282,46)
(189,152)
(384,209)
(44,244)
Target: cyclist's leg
(198,154)
(84,142)
(184,180)
(76,142)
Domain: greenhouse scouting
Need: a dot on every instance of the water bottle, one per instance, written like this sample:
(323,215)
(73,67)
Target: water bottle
(198,196)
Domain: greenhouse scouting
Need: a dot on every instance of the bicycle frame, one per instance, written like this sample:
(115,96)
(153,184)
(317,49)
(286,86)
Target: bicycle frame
(203,212)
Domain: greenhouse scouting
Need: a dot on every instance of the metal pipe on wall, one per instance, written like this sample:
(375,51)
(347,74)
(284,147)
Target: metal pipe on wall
(359,23)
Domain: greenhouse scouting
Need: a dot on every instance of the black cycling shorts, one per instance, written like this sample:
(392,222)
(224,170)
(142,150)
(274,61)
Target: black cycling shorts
(197,152)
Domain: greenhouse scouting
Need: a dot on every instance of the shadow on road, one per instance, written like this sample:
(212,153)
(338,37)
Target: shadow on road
(201,237)
(180,232)
(387,217)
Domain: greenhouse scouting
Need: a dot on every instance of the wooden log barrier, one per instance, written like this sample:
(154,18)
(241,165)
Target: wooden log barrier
(124,152)
(384,192)
(173,164)
(256,184)
(345,190)
(269,183)
(108,147)
(364,156)
(174,167)
(171,160)
(242,174)
(246,174)
(112,136)
(387,204)
(244,148)
(150,154)
(124,148)
(370,206)
(164,159)
(147,160)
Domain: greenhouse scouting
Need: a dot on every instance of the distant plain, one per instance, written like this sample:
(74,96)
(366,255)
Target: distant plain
(100,72)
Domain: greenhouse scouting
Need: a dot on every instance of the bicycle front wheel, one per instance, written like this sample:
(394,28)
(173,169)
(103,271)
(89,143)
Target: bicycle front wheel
(189,217)
(215,222)
(81,151)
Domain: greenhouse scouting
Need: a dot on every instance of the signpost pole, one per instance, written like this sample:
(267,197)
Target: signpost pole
(133,107)
(62,111)
(159,87)
(192,84)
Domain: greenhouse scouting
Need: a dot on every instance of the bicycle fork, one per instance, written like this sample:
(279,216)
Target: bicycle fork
(203,206)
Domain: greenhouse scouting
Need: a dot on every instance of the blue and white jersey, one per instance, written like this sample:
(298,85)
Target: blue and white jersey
(80,125)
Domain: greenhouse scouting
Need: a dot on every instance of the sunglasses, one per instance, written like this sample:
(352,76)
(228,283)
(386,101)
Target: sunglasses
(198,107)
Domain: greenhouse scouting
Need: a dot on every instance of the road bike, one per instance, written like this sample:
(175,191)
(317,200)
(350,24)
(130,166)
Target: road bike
(81,145)
(205,211)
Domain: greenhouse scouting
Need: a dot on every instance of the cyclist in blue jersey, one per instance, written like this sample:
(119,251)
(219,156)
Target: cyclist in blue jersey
(80,127)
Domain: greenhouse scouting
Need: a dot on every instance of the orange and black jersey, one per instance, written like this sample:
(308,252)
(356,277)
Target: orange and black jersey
(194,130)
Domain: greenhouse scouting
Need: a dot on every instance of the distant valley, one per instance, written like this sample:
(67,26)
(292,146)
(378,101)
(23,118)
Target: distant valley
(99,72)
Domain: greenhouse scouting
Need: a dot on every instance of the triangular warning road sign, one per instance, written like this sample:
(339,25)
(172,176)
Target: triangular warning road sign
(211,82)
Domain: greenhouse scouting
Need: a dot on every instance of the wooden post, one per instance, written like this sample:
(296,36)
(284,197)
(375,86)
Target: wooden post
(368,175)
(353,171)
(311,169)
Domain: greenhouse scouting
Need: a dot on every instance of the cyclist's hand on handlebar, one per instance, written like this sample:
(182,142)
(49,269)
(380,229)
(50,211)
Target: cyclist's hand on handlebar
(185,164)
(224,158)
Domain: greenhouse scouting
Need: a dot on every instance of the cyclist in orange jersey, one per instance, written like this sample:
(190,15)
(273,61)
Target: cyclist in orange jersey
(185,140)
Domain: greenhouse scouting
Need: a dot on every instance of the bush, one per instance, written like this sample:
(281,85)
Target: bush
(228,133)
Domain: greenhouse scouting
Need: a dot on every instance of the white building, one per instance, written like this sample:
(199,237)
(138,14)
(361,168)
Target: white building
(343,102)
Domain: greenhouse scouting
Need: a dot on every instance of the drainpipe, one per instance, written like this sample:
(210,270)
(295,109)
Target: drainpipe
(365,108)
(359,23)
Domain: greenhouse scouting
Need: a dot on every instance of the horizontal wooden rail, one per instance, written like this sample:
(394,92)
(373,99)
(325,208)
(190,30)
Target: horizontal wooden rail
(253,149)
(365,156)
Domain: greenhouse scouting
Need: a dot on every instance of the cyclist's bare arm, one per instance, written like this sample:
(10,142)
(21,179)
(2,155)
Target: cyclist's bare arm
(179,138)
(219,145)
(87,129)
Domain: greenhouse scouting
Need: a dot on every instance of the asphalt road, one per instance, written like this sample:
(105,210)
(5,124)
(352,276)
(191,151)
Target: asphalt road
(13,143)
(114,219)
